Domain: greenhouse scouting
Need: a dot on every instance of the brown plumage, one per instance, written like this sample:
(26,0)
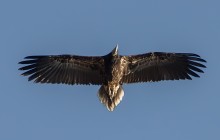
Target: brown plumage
(112,70)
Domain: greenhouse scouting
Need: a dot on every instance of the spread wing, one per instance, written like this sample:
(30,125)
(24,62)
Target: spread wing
(159,66)
(66,69)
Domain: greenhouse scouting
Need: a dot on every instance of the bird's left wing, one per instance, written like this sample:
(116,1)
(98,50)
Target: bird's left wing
(157,66)
(65,69)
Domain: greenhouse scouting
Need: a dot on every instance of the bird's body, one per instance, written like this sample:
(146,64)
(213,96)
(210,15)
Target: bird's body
(111,92)
(112,70)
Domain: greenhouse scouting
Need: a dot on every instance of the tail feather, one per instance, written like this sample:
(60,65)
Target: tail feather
(108,99)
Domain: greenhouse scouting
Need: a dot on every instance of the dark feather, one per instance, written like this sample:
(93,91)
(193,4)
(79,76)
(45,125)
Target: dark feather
(157,66)
(68,69)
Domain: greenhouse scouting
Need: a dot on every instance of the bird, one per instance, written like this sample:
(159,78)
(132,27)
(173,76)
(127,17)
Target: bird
(112,70)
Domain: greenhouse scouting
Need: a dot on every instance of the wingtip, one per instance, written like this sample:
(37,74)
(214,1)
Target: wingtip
(21,62)
(34,56)
(28,57)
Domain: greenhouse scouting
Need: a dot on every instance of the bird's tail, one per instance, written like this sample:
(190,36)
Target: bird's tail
(110,98)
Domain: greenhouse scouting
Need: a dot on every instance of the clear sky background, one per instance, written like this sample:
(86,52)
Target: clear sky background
(170,110)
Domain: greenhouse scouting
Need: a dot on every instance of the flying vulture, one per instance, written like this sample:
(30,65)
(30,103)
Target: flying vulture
(111,71)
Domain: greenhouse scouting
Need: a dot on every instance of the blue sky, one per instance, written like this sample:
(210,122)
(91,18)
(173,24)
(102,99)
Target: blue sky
(183,110)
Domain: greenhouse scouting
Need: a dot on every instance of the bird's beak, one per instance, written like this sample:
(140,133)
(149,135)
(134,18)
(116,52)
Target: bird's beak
(115,50)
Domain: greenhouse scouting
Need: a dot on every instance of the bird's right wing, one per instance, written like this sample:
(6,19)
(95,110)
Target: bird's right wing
(157,66)
(66,69)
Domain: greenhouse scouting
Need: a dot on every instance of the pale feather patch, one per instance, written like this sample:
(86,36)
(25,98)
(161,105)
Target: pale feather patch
(110,101)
